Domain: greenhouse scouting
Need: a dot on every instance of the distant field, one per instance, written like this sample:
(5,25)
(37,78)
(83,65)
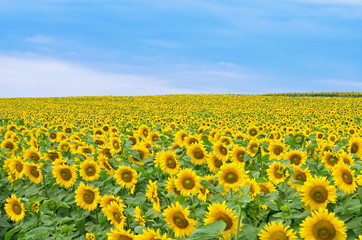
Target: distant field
(274,166)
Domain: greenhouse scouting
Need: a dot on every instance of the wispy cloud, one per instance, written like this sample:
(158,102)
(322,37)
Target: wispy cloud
(40,39)
(38,77)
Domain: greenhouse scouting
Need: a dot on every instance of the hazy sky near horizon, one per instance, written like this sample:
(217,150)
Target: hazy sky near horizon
(148,47)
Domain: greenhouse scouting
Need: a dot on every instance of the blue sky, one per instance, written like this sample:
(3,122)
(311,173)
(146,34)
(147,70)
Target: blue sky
(147,47)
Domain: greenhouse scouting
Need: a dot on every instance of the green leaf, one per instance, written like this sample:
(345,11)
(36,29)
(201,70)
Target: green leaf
(11,233)
(209,231)
(37,232)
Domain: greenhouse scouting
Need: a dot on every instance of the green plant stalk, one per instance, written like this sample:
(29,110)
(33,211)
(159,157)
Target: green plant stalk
(240,219)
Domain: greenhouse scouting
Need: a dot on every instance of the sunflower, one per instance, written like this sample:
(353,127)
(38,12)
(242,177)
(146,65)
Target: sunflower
(300,175)
(143,131)
(52,155)
(89,170)
(252,131)
(9,144)
(276,173)
(32,154)
(330,159)
(238,155)
(168,162)
(115,144)
(16,167)
(171,186)
(87,197)
(277,150)
(105,200)
(150,234)
(220,212)
(296,157)
(187,182)
(180,137)
(276,231)
(65,174)
(153,137)
(33,172)
(141,154)
(103,162)
(231,175)
(253,147)
(347,158)
(114,214)
(355,146)
(197,153)
(190,140)
(126,177)
(323,226)
(152,195)
(64,146)
(344,178)
(317,193)
(87,149)
(138,216)
(177,219)
(117,234)
(254,187)
(266,187)
(213,162)
(90,236)
(14,208)
(221,151)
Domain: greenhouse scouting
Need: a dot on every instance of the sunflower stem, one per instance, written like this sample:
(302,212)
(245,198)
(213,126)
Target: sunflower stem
(240,219)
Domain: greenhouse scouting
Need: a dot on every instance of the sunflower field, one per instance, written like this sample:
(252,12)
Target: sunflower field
(268,167)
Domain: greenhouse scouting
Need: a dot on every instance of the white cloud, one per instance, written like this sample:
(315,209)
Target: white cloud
(40,39)
(39,77)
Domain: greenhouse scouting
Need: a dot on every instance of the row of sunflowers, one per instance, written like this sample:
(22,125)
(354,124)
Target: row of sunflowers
(181,167)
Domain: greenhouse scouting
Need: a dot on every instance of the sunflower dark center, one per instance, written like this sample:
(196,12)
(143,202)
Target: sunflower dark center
(231,177)
(223,150)
(240,156)
(180,220)
(88,196)
(9,145)
(91,171)
(127,176)
(278,236)
(34,157)
(87,150)
(301,177)
(53,136)
(265,190)
(66,174)
(354,148)
(253,132)
(188,183)
(145,133)
(34,172)
(332,160)
(319,194)
(17,209)
(226,219)
(324,230)
(279,173)
(116,145)
(296,159)
(170,162)
(53,155)
(347,177)
(19,167)
(198,153)
(142,154)
(254,148)
(117,217)
(278,150)
(218,163)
